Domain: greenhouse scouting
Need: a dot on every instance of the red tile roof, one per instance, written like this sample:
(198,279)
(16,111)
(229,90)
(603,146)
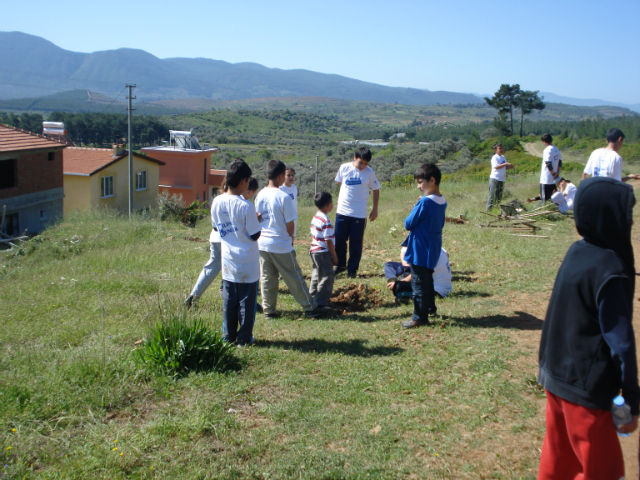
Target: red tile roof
(13,139)
(87,161)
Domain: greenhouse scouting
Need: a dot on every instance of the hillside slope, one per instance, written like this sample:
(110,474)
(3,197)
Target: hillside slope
(33,66)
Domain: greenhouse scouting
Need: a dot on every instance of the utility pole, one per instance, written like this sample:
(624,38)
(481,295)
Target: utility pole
(129,110)
(316,174)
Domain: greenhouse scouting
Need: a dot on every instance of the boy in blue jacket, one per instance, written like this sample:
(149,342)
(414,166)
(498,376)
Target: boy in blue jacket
(425,224)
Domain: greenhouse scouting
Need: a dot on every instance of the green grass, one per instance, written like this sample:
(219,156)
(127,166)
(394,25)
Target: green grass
(349,397)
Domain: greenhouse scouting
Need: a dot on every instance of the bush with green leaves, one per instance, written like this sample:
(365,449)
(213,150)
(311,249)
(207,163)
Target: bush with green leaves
(178,347)
(173,207)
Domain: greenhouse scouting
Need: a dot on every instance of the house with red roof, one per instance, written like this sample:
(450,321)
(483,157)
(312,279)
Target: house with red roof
(99,177)
(31,183)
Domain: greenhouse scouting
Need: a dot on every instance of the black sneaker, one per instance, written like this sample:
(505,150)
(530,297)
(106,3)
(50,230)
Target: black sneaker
(251,341)
(274,314)
(352,274)
(188,302)
(259,308)
(414,323)
(319,312)
(339,270)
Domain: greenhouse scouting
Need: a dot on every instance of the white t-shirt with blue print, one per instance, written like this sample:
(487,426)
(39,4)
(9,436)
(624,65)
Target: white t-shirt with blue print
(355,188)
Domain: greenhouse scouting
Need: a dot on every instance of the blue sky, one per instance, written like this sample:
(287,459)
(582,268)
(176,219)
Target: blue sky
(583,49)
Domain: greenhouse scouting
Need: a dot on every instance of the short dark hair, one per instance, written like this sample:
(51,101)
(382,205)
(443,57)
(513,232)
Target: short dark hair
(547,138)
(275,168)
(427,171)
(253,184)
(363,153)
(614,134)
(496,145)
(289,169)
(237,171)
(322,199)
(564,180)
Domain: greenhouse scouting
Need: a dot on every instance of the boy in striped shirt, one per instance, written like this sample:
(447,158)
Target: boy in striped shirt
(322,251)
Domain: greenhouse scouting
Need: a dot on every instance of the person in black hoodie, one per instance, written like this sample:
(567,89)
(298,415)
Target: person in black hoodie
(587,349)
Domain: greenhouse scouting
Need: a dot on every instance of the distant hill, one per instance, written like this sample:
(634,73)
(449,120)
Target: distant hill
(587,102)
(31,66)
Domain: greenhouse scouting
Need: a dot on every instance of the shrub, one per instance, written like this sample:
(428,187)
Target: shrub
(177,347)
(173,207)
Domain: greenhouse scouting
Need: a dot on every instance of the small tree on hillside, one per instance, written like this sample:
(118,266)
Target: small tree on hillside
(528,101)
(501,124)
(505,99)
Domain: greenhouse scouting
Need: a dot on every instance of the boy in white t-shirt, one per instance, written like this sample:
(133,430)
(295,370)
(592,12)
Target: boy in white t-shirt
(322,251)
(606,162)
(399,274)
(356,180)
(569,190)
(290,189)
(237,223)
(499,167)
(212,268)
(551,165)
(277,255)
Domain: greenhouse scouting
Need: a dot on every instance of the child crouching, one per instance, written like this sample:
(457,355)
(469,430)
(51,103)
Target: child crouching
(322,251)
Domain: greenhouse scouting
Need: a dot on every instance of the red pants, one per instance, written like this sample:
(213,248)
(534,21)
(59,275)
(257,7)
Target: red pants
(580,444)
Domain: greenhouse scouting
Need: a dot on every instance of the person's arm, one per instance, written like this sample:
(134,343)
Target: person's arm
(374,211)
(584,175)
(615,303)
(506,165)
(291,228)
(414,217)
(631,176)
(332,251)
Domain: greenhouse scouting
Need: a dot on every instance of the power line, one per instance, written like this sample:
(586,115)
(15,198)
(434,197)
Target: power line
(105,110)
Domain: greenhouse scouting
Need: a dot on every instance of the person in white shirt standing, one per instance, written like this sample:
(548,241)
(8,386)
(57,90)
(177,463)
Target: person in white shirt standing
(551,165)
(499,167)
(277,255)
(356,179)
(236,221)
(606,162)
(290,189)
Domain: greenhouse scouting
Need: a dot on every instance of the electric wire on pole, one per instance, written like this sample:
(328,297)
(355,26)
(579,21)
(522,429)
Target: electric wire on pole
(129,110)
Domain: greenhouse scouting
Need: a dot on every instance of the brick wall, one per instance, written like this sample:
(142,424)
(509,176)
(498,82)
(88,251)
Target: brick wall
(35,173)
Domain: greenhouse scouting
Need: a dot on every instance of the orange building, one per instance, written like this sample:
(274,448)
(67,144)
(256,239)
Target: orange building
(187,167)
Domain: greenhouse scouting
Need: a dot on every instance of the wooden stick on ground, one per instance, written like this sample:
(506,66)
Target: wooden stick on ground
(530,236)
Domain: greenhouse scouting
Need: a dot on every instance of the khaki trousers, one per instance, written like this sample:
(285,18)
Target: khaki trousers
(285,264)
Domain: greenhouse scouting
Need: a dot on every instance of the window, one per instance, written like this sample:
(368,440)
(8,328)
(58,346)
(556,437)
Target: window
(8,173)
(141,180)
(204,196)
(106,187)
(51,156)
(43,215)
(197,196)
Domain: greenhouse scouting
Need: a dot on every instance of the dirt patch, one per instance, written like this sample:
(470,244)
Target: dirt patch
(356,298)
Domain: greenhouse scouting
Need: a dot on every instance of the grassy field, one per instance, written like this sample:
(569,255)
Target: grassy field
(349,397)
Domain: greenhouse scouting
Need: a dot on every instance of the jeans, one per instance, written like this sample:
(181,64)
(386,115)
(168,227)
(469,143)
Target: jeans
(495,192)
(239,309)
(349,229)
(321,286)
(209,272)
(423,293)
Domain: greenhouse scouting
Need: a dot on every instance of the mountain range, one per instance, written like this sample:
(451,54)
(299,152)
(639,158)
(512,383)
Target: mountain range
(31,66)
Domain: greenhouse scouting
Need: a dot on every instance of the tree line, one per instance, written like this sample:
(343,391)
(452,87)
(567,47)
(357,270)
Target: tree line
(96,129)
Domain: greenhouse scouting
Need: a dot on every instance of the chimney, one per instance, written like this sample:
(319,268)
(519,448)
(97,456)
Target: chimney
(118,149)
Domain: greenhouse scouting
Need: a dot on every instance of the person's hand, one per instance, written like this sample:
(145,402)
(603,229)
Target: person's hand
(631,426)
(390,285)
(373,215)
(335,260)
(634,176)
(259,217)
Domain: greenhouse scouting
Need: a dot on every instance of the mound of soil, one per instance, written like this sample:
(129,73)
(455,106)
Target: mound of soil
(356,298)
